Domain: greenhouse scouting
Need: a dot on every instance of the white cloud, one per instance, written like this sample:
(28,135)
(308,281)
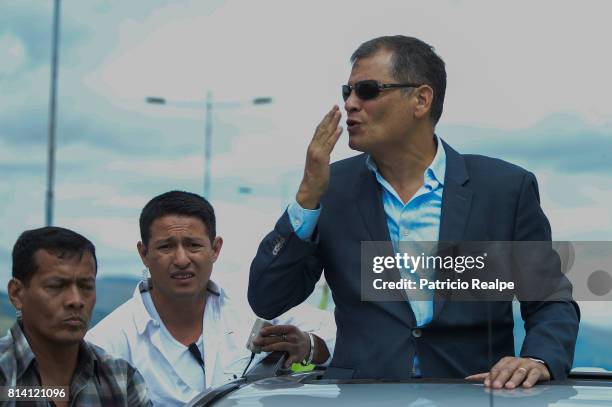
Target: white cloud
(504,70)
(576,205)
(595,312)
(581,222)
(102,196)
(110,232)
(20,154)
(12,54)
(182,168)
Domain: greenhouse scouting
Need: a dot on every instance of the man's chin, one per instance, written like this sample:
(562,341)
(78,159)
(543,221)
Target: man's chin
(69,337)
(187,291)
(354,144)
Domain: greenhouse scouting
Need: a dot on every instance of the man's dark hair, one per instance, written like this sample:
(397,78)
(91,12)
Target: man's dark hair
(413,61)
(177,203)
(62,243)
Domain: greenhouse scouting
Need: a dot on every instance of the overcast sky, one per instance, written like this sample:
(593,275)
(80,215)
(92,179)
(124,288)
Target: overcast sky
(528,82)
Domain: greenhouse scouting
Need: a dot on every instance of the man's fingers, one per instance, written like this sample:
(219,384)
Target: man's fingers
(327,116)
(331,119)
(278,347)
(270,339)
(334,121)
(291,349)
(276,333)
(477,377)
(517,377)
(532,378)
(316,169)
(331,141)
(284,338)
(322,130)
(501,372)
(326,132)
(510,372)
(277,330)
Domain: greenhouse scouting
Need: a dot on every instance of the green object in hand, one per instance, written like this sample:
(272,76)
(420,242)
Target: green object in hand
(299,368)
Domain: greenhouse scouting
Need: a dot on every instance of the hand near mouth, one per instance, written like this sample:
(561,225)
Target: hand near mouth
(316,171)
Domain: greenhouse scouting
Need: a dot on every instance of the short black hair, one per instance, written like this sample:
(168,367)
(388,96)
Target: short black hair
(413,61)
(61,242)
(177,203)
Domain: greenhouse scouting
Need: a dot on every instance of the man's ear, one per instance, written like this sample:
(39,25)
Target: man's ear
(216,246)
(424,97)
(15,292)
(142,251)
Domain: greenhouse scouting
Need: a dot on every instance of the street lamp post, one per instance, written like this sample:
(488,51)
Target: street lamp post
(52,111)
(208,129)
(207,144)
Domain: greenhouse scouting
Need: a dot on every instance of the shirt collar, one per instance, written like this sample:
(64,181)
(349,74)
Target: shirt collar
(142,318)
(24,356)
(87,363)
(434,172)
(437,168)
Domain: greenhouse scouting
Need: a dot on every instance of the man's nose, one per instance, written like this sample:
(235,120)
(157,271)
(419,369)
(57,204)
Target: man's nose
(181,259)
(352,103)
(74,297)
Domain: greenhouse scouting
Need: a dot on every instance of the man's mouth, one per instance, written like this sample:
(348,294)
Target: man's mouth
(74,321)
(352,124)
(182,275)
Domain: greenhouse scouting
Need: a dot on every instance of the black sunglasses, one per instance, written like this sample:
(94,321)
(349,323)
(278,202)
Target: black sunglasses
(370,89)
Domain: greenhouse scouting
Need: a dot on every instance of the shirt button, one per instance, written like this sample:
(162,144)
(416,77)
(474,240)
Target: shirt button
(417,333)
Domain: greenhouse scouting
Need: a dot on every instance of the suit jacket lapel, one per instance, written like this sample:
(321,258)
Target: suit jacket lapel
(373,215)
(456,203)
(370,205)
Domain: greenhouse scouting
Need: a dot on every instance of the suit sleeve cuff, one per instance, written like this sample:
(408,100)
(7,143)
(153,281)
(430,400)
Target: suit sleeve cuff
(303,221)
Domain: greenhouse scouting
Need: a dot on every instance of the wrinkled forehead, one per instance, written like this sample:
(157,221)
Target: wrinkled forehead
(169,226)
(64,263)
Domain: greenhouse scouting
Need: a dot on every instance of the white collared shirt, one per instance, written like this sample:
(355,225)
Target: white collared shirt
(135,332)
(177,354)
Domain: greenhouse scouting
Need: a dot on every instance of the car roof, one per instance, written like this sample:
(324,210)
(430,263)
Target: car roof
(307,389)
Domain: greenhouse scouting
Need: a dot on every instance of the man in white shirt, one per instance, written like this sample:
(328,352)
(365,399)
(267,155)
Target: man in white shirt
(179,329)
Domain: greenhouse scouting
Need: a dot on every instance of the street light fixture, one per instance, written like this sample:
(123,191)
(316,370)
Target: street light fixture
(156,100)
(209,104)
(262,101)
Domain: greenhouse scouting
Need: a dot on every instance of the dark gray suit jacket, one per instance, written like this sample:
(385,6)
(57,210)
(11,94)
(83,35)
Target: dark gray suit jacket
(483,199)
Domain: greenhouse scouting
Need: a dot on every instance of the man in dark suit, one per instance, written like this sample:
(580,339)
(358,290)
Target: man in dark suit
(409,185)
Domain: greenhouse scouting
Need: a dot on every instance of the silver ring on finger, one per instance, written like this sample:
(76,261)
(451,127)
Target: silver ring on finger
(284,337)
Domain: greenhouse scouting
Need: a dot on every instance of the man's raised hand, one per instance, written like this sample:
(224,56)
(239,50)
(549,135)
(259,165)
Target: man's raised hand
(316,171)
